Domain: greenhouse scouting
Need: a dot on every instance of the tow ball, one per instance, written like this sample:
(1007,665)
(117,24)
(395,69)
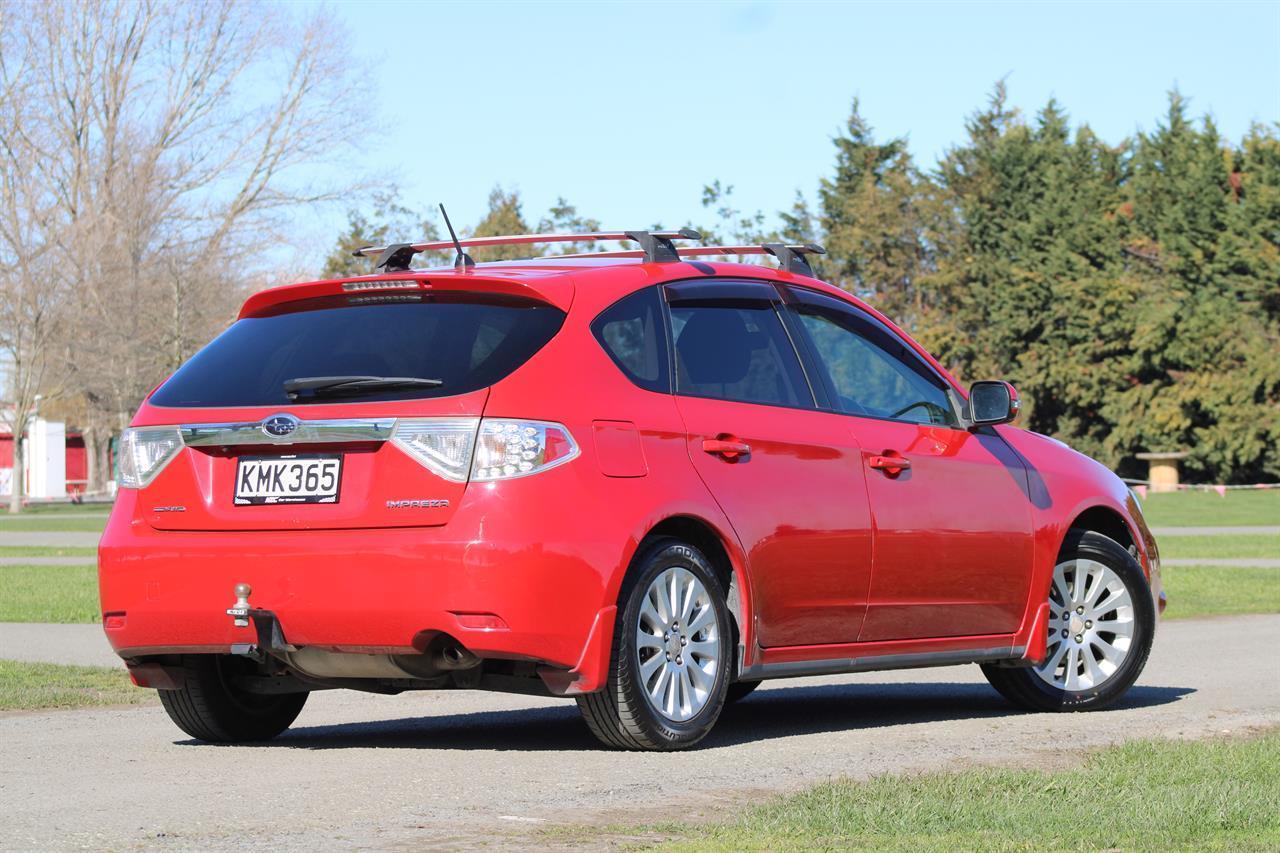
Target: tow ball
(271,641)
(240,610)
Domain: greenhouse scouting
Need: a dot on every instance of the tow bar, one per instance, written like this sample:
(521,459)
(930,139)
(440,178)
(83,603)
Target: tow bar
(271,641)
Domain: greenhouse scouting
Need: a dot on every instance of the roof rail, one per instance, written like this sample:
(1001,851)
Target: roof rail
(656,246)
(790,256)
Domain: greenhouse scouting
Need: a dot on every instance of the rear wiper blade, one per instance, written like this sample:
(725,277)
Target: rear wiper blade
(324,386)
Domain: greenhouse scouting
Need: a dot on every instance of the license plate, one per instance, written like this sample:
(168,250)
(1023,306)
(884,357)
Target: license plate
(310,479)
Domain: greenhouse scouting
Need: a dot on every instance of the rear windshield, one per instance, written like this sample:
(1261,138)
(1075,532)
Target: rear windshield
(465,342)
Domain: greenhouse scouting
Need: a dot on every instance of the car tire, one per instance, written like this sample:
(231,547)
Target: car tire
(1116,594)
(648,669)
(740,690)
(210,708)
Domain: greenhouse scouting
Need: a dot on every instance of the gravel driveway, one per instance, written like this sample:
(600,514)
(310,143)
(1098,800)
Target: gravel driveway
(452,769)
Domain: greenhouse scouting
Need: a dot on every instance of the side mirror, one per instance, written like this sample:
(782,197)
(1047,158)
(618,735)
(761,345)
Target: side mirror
(992,402)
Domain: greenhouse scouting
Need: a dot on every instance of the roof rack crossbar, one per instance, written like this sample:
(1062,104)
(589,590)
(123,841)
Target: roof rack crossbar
(657,246)
(394,257)
(791,256)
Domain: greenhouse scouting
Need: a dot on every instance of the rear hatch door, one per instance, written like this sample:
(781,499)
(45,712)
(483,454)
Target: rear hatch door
(358,454)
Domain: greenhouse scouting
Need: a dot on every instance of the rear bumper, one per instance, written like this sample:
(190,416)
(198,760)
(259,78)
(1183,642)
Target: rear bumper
(367,591)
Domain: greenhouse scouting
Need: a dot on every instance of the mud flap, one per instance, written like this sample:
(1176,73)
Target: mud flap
(592,669)
(1038,638)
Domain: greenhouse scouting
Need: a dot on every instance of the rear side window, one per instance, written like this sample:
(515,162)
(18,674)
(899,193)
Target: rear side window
(736,351)
(467,342)
(632,333)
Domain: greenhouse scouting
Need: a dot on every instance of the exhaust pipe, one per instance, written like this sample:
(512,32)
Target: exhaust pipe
(456,657)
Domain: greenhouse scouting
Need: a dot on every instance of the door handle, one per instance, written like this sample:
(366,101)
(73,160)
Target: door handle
(890,463)
(728,447)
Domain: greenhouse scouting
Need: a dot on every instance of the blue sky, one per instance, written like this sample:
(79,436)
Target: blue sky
(628,109)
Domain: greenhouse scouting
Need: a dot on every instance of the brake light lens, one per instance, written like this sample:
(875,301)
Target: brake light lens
(488,449)
(507,449)
(144,453)
(442,445)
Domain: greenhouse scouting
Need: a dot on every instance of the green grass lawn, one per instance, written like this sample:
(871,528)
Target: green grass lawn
(45,551)
(1221,794)
(54,509)
(1175,547)
(51,523)
(40,686)
(1220,591)
(1207,509)
(49,594)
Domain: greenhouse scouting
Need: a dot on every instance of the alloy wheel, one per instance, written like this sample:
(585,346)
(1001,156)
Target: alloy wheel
(678,644)
(1091,625)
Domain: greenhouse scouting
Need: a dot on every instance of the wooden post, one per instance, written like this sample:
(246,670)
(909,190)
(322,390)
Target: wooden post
(1163,470)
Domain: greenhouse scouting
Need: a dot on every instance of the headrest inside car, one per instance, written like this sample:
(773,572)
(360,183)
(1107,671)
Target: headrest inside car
(715,346)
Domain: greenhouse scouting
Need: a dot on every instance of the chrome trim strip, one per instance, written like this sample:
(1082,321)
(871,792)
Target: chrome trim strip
(792,669)
(308,432)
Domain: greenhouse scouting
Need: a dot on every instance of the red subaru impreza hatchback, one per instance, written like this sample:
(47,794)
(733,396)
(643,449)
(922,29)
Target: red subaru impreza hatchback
(639,479)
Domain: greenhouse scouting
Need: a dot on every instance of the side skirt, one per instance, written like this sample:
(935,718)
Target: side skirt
(912,660)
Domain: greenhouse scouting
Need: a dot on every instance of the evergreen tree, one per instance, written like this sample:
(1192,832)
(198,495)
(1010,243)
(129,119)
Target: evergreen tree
(1030,283)
(388,221)
(1129,292)
(1202,234)
(504,217)
(563,218)
(733,227)
(872,217)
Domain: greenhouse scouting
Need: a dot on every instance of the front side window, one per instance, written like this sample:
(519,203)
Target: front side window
(870,371)
(736,350)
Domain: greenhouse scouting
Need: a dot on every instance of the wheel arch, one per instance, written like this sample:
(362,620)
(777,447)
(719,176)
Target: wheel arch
(719,550)
(1106,521)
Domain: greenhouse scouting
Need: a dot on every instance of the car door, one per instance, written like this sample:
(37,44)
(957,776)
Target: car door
(953,535)
(788,476)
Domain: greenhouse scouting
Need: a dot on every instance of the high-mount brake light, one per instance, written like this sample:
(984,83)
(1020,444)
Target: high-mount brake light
(394,284)
(510,448)
(384,298)
(442,445)
(144,453)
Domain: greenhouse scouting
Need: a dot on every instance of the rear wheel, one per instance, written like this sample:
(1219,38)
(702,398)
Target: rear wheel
(1101,623)
(210,707)
(669,668)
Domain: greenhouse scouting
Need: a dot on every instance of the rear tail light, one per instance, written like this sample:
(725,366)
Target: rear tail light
(442,445)
(144,451)
(490,449)
(508,448)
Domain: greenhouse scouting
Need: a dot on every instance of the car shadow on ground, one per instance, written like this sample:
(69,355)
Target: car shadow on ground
(775,712)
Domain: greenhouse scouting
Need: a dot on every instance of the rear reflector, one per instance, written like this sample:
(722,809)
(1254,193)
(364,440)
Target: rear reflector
(481,621)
